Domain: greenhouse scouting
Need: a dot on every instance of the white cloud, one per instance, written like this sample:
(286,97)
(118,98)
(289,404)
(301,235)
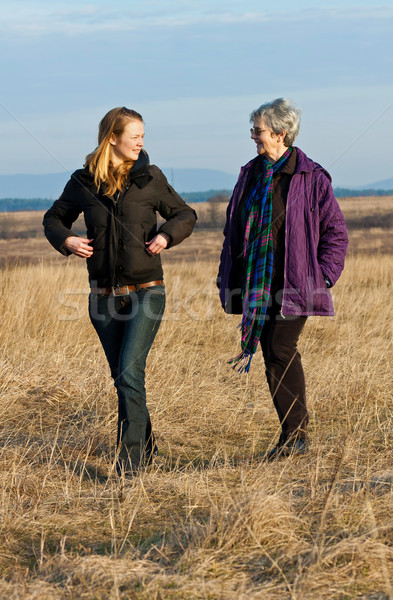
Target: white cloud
(74,19)
(188,85)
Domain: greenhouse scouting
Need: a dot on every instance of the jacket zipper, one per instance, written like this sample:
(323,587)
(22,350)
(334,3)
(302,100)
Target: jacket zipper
(117,198)
(285,254)
(116,204)
(285,264)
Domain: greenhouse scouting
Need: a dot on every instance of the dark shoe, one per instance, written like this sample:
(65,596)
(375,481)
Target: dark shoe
(285,449)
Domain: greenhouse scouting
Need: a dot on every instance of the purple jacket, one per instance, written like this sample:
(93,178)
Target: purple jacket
(316,240)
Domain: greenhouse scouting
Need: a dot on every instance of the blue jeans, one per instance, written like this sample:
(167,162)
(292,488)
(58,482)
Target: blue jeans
(127,326)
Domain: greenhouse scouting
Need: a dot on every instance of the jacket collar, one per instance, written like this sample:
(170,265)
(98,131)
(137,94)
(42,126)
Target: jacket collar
(306,165)
(303,164)
(142,161)
(289,167)
(138,174)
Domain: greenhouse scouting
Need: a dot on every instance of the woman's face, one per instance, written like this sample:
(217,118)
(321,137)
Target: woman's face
(128,144)
(267,142)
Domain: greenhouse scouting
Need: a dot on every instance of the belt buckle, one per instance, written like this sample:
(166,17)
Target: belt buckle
(116,290)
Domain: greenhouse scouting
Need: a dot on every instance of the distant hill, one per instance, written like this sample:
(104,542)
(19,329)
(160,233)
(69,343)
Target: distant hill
(386,184)
(37,192)
(51,185)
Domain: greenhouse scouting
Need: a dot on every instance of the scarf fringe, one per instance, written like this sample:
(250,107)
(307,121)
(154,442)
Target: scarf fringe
(256,213)
(242,360)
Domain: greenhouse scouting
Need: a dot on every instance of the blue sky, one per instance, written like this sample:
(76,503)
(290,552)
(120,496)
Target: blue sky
(195,70)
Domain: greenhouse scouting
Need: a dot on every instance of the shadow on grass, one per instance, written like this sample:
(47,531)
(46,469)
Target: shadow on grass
(87,471)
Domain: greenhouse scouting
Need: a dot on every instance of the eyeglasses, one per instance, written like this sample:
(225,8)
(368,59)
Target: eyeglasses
(256,131)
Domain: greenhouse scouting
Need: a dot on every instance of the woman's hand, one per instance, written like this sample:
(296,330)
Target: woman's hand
(157,244)
(79,246)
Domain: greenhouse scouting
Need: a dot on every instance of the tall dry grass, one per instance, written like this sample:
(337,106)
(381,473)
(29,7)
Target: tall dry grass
(209,520)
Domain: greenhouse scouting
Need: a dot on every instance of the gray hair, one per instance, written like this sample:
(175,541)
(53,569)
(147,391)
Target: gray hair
(279,115)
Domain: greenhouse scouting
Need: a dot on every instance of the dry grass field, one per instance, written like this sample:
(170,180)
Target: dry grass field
(21,238)
(209,520)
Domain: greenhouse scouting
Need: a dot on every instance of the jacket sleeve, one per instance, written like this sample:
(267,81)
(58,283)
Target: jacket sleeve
(228,216)
(180,218)
(59,218)
(230,230)
(224,249)
(333,234)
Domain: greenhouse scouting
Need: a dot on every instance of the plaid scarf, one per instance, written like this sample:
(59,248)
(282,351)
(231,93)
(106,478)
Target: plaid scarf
(258,261)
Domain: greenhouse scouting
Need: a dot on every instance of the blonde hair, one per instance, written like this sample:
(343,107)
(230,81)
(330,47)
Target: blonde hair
(99,161)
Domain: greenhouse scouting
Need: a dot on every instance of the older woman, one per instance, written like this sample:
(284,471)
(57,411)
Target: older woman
(285,244)
(120,193)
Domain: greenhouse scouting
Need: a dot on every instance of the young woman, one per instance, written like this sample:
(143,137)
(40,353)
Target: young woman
(120,193)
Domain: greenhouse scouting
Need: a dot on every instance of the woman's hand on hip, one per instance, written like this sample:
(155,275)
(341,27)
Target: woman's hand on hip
(79,246)
(157,244)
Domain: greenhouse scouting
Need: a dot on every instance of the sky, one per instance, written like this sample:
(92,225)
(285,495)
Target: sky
(195,70)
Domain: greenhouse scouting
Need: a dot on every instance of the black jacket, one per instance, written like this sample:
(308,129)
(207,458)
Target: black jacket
(121,225)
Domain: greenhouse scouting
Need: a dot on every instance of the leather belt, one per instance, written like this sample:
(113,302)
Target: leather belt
(125,289)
